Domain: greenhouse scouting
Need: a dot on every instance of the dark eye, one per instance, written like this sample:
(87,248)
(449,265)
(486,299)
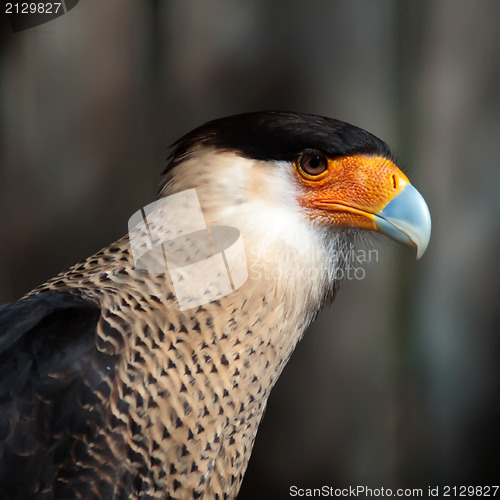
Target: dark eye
(313,162)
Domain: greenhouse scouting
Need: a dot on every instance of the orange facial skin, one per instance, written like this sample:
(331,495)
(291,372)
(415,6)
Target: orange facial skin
(351,190)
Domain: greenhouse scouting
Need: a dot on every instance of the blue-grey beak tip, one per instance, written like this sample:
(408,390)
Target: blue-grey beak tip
(406,219)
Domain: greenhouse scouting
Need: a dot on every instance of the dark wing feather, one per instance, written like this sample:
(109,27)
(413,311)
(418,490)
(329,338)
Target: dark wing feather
(50,372)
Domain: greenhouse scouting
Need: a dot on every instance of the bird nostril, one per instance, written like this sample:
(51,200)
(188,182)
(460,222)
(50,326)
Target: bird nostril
(394,181)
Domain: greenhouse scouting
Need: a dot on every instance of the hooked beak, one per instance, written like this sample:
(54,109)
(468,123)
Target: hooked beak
(406,219)
(368,193)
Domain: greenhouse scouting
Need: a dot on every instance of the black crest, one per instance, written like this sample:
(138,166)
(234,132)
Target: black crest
(278,135)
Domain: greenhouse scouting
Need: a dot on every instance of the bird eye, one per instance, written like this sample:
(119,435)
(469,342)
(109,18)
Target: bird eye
(313,162)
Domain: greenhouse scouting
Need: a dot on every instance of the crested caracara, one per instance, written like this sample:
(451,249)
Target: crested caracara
(109,389)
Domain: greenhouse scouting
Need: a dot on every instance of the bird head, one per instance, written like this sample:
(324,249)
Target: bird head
(298,181)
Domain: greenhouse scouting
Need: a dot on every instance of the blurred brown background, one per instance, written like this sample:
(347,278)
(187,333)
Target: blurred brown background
(398,384)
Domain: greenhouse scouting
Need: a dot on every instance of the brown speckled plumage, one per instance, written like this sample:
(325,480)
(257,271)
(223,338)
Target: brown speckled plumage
(184,396)
(109,391)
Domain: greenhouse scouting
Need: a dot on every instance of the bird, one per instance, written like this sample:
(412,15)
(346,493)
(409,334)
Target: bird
(112,387)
